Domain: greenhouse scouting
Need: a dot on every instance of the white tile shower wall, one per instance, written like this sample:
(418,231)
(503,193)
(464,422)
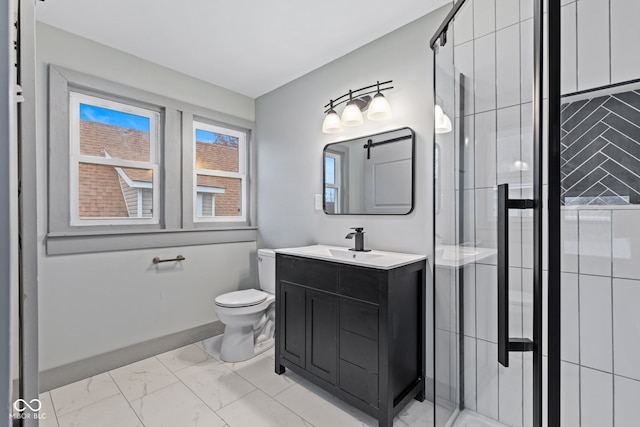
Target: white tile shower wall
(484,17)
(626,244)
(507,67)
(467,168)
(601,271)
(569,57)
(492,59)
(597,38)
(570,395)
(594,235)
(570,321)
(626,393)
(485,74)
(626,328)
(600,316)
(595,322)
(593,45)
(596,398)
(470,373)
(486,303)
(487,379)
(463,58)
(507,13)
(485,142)
(510,391)
(625,33)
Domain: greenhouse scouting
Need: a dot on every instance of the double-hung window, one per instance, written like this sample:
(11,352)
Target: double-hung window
(114,162)
(220,184)
(130,169)
(332,182)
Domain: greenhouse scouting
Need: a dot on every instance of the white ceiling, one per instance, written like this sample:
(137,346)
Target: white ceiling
(250,46)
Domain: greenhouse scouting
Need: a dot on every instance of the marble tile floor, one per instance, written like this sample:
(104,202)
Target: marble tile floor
(187,387)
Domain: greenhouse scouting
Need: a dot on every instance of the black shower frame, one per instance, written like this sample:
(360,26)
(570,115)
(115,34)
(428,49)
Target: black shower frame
(553,332)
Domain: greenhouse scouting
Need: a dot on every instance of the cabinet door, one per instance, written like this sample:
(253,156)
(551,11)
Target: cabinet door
(322,335)
(292,311)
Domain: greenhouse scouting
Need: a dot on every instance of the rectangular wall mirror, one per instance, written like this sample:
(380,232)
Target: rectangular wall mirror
(370,175)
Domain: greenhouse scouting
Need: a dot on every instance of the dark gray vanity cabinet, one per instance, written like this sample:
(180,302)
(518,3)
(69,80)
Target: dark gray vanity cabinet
(358,332)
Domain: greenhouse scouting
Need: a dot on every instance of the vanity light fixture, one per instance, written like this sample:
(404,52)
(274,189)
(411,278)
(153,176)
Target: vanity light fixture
(332,123)
(351,115)
(379,109)
(357,101)
(442,121)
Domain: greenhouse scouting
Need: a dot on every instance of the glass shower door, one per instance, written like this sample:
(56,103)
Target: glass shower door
(485,256)
(594,195)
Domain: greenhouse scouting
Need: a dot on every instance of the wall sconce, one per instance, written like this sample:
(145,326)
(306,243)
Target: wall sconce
(358,100)
(442,121)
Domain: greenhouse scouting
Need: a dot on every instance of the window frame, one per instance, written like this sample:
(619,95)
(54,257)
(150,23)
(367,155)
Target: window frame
(241,174)
(76,158)
(175,227)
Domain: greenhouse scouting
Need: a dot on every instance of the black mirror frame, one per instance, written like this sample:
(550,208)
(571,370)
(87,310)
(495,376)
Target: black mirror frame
(413,171)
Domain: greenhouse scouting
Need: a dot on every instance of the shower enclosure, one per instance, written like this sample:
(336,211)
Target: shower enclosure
(537,194)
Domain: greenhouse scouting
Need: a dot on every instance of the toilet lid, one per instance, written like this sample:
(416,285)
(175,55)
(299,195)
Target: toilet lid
(241,298)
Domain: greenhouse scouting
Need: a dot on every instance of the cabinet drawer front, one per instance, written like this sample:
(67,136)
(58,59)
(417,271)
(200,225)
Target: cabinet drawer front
(359,317)
(359,350)
(311,273)
(361,283)
(359,382)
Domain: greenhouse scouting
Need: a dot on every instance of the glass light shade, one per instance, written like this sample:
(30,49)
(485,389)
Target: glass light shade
(379,109)
(351,116)
(332,123)
(442,121)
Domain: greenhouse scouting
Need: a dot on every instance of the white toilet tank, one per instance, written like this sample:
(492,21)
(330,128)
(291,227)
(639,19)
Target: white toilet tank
(267,270)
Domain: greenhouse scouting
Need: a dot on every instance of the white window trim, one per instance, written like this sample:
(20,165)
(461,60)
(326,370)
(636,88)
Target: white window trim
(241,174)
(75,99)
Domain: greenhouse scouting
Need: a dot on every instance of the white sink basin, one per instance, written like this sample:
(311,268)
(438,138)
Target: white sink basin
(458,256)
(347,254)
(376,259)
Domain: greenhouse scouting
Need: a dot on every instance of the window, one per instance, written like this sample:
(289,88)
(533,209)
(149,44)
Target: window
(126,172)
(332,182)
(114,162)
(219,173)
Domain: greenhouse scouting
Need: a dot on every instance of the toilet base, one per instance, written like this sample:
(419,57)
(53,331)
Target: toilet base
(238,344)
(213,347)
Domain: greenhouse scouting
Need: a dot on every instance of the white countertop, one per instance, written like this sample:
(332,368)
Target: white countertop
(374,259)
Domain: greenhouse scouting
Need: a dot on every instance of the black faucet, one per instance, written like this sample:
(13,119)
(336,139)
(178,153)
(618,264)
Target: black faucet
(359,235)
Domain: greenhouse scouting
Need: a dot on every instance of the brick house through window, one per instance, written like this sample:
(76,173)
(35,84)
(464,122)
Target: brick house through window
(114,192)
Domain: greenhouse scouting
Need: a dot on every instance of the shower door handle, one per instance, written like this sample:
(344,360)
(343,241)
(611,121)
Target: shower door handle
(506,344)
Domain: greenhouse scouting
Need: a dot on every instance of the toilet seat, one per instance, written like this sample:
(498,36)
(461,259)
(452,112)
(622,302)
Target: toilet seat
(245,298)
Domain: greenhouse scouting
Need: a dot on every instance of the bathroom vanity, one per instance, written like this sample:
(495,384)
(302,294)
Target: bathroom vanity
(354,324)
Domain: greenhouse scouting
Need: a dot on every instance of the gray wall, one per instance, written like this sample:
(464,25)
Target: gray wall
(290,143)
(94,303)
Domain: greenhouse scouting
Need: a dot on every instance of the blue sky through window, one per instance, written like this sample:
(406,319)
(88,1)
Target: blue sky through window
(209,137)
(114,118)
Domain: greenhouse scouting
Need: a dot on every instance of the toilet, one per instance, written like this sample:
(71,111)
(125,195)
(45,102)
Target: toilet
(249,315)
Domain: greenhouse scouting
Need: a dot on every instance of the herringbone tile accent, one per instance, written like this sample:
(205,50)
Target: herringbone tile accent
(601,150)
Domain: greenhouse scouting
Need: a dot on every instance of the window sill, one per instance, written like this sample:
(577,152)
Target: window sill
(86,242)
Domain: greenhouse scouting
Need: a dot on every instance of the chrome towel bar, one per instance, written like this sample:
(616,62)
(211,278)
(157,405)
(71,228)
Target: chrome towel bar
(157,260)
